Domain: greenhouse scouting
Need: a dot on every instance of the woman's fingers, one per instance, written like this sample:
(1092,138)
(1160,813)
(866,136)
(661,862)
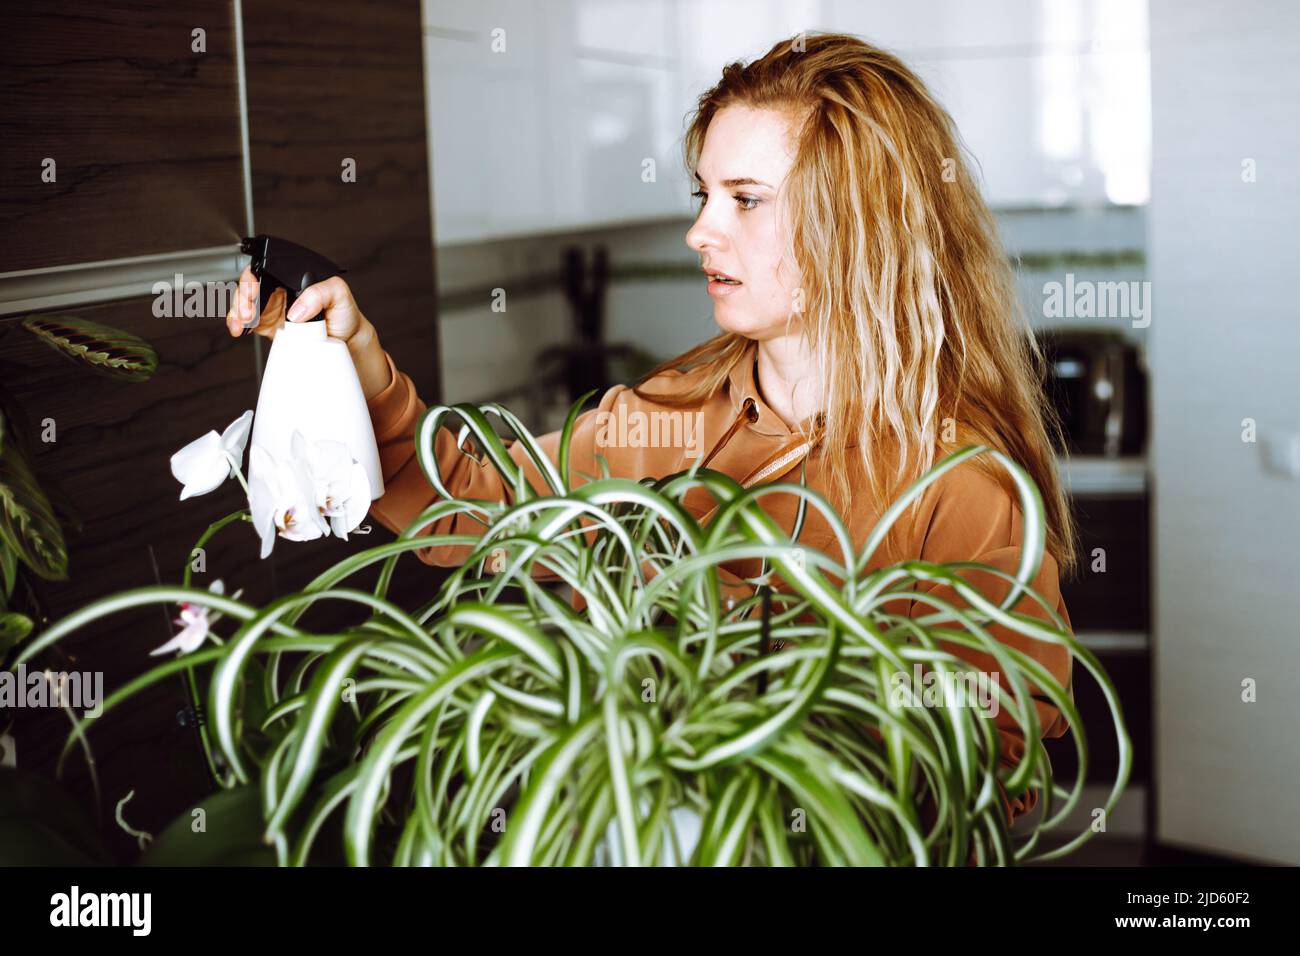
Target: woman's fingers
(273,316)
(318,298)
(243,316)
(241,310)
(248,289)
(332,297)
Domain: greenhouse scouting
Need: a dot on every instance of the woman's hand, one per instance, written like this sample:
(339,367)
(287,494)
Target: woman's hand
(343,321)
(343,318)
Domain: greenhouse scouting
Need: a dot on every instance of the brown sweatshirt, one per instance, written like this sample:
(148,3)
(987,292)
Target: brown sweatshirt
(964,516)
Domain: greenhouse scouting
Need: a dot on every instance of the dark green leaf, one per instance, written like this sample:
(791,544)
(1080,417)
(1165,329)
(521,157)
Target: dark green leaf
(8,572)
(100,347)
(231,834)
(14,627)
(41,825)
(27,523)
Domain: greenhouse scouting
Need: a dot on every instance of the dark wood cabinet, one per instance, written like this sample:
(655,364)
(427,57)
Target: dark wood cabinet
(337,83)
(142,129)
(151,162)
(1110,609)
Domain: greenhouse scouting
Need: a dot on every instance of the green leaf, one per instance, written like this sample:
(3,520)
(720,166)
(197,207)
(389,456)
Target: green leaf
(228,832)
(503,722)
(99,347)
(8,569)
(41,825)
(323,701)
(566,438)
(14,627)
(27,523)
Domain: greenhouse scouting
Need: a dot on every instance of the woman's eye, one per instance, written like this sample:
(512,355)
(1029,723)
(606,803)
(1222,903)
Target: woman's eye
(746,202)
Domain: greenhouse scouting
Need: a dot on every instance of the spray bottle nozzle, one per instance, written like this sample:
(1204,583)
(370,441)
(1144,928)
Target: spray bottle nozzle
(280,264)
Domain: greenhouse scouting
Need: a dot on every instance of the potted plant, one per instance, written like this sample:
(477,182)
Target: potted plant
(637,719)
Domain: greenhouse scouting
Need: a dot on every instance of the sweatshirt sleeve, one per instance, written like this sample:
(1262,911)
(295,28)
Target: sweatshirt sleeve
(395,413)
(971,517)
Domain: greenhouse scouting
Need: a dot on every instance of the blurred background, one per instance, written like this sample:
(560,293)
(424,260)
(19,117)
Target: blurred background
(514,227)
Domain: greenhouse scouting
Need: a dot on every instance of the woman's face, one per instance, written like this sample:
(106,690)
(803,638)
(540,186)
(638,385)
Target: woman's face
(745,158)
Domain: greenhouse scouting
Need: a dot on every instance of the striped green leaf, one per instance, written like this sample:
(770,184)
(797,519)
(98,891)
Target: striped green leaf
(96,346)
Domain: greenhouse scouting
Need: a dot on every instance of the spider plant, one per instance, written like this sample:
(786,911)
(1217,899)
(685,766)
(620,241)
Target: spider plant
(507,721)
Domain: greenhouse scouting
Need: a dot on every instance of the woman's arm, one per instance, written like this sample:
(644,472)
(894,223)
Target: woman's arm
(370,359)
(395,411)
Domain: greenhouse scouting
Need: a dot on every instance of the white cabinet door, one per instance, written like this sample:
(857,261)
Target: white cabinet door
(1051,98)
(568,114)
(488,118)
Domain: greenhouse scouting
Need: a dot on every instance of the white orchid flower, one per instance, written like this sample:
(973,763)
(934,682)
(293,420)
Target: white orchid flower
(340,485)
(209,460)
(281,500)
(196,621)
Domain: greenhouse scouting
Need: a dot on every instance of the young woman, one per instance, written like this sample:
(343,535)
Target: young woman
(869,328)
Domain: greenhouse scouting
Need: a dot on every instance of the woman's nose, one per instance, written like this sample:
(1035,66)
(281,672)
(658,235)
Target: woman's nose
(702,235)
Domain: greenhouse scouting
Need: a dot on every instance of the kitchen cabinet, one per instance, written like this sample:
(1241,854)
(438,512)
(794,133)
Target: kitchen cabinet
(543,117)
(121,135)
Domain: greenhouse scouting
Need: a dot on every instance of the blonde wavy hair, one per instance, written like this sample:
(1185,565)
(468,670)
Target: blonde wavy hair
(909,299)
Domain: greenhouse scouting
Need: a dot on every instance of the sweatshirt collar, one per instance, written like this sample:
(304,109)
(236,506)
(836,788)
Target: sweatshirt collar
(743,384)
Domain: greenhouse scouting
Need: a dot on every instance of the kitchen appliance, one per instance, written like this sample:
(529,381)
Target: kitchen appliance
(1097,380)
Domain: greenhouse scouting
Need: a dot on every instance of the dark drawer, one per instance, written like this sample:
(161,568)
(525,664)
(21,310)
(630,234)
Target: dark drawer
(1131,674)
(1118,598)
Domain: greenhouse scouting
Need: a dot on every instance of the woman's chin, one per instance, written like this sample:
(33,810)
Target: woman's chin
(733,320)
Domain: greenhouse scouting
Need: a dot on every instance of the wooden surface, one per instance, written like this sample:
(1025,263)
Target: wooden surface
(149,162)
(333,81)
(113,442)
(144,132)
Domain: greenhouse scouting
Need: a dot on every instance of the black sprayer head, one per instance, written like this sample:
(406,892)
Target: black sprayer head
(280,264)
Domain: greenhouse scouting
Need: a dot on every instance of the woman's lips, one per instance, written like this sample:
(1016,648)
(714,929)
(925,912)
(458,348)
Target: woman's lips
(717,288)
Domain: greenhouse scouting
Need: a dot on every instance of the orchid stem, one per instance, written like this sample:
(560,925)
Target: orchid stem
(207,535)
(238,473)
